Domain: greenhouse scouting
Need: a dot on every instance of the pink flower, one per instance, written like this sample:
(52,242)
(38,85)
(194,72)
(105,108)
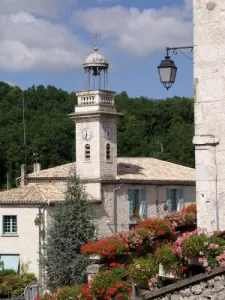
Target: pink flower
(137,267)
(211,246)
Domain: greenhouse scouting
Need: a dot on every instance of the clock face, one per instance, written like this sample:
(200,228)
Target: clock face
(108,133)
(86,134)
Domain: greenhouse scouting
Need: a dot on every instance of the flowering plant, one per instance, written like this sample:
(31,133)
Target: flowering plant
(143,269)
(109,284)
(108,247)
(197,244)
(187,215)
(166,256)
(132,238)
(157,227)
(192,209)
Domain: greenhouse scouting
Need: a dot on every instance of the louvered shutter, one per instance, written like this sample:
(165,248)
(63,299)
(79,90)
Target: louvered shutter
(143,204)
(169,200)
(181,198)
(131,202)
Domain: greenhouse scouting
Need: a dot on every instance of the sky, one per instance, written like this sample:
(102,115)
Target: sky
(46,42)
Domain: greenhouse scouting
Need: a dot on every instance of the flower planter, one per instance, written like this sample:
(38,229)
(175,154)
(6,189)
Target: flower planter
(193,262)
(97,259)
(186,227)
(166,272)
(124,259)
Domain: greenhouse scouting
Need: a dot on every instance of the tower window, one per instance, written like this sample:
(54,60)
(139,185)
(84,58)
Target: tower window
(87,152)
(108,152)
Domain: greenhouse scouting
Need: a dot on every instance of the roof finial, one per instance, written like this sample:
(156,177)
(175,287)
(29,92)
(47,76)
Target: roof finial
(96,36)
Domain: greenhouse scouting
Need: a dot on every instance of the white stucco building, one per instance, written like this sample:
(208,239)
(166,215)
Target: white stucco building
(117,188)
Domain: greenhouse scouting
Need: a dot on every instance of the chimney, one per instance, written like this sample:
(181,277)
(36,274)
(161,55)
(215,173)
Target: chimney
(36,164)
(23,176)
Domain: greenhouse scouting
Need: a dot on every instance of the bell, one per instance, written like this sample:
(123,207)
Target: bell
(95,72)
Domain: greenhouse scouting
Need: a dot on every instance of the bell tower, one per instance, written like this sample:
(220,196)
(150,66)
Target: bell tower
(96,117)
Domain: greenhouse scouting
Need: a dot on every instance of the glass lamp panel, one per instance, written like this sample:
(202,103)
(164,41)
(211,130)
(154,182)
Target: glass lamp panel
(173,74)
(165,74)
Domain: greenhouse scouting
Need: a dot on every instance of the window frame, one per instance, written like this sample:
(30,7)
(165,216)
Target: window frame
(11,225)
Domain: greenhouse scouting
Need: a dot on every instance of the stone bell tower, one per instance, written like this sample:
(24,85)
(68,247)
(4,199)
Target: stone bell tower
(96,123)
(209,140)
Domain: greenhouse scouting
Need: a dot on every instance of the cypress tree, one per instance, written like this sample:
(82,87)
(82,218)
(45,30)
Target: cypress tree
(70,228)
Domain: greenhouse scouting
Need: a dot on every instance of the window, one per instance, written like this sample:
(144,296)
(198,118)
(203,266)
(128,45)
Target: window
(108,152)
(87,152)
(137,203)
(10,261)
(9,224)
(175,199)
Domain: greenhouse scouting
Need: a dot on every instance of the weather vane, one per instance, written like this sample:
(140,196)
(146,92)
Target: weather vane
(96,36)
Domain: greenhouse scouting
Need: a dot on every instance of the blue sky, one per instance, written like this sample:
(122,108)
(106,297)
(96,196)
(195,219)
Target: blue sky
(46,42)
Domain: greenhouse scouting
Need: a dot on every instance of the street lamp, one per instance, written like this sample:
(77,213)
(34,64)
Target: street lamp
(167,68)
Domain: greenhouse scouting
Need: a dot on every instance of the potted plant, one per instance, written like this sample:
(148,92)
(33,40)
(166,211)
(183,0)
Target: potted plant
(143,269)
(170,266)
(110,284)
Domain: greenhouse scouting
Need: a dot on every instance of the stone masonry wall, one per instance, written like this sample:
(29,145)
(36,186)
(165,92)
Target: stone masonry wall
(199,287)
(209,97)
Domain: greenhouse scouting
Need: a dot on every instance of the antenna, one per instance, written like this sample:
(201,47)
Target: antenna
(24,132)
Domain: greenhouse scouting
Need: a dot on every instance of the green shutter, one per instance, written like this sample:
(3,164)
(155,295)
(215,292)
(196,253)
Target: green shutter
(131,198)
(181,198)
(168,200)
(143,204)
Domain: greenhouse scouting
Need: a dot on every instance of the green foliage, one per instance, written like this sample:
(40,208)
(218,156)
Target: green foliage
(14,284)
(69,292)
(144,268)
(71,227)
(165,256)
(194,245)
(161,129)
(107,279)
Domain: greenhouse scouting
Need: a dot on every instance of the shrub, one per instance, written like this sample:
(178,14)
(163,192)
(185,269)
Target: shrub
(69,292)
(14,284)
(143,269)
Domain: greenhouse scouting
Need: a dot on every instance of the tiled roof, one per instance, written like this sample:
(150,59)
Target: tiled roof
(36,194)
(131,168)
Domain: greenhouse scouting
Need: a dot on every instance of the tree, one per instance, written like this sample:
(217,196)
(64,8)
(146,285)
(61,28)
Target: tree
(71,227)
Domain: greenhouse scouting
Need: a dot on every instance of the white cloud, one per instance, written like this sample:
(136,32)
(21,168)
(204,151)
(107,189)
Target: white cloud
(105,1)
(42,7)
(140,32)
(30,43)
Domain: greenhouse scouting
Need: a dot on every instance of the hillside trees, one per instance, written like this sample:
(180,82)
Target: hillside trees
(158,128)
